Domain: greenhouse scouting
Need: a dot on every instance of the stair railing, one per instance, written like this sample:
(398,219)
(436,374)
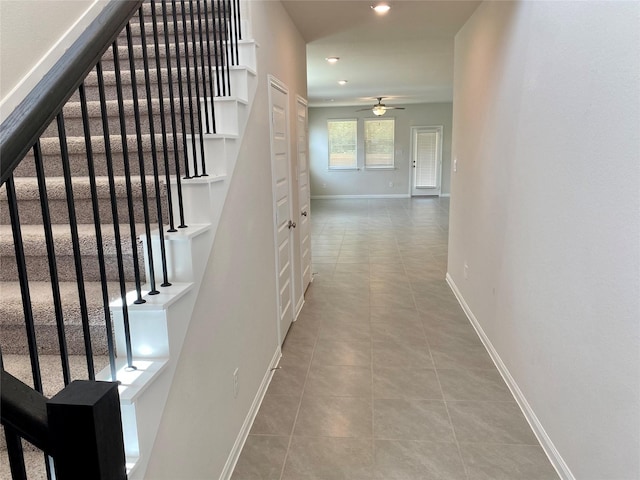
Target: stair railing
(168,83)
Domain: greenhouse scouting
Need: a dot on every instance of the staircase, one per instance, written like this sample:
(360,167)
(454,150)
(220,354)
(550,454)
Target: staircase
(151,222)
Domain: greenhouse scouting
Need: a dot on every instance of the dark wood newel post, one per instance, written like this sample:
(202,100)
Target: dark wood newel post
(86,431)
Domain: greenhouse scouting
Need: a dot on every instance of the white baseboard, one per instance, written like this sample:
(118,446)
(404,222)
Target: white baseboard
(337,197)
(547,445)
(232,459)
(445,194)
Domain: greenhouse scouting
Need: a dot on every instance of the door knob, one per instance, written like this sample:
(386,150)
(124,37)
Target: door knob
(292,224)
(304,214)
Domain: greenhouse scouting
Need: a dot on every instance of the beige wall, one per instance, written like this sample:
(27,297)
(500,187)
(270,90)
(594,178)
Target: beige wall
(33,36)
(375,182)
(235,318)
(545,211)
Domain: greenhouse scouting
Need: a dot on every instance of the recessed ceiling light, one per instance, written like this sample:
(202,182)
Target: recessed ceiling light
(332,59)
(342,82)
(381,8)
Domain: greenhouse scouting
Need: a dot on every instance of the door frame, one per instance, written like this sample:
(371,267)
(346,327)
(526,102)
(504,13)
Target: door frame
(278,84)
(436,192)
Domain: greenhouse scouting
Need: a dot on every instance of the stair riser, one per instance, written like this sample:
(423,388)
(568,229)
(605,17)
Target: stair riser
(38,268)
(13,339)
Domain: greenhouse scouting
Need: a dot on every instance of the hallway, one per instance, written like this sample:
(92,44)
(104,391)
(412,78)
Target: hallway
(383,376)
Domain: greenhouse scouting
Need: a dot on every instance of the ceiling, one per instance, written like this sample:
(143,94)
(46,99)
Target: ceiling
(405,55)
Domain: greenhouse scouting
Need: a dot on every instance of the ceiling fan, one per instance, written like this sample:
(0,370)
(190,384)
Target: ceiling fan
(380,108)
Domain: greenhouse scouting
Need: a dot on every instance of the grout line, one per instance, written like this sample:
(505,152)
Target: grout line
(295,420)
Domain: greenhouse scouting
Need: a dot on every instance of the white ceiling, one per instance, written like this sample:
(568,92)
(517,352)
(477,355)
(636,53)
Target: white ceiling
(405,55)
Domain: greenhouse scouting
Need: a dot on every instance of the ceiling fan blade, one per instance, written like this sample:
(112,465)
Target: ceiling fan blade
(394,108)
(364,109)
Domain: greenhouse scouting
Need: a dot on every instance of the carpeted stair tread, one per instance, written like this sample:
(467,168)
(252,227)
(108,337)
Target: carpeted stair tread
(36,253)
(27,187)
(76,145)
(35,245)
(31,212)
(78,157)
(110,77)
(73,117)
(42,302)
(147,8)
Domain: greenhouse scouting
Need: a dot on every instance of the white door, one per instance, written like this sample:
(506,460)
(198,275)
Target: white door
(284,223)
(426,157)
(304,194)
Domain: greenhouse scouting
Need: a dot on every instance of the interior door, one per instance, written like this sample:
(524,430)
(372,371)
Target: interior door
(284,224)
(304,194)
(426,157)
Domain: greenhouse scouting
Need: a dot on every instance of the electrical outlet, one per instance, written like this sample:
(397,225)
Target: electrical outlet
(324,185)
(390,184)
(466,270)
(236,385)
(455,165)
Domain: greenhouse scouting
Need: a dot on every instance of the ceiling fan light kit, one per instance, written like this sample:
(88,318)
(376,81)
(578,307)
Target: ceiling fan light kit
(380,108)
(378,111)
(381,8)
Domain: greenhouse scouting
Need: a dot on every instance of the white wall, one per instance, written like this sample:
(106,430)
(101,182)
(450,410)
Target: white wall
(33,36)
(545,210)
(374,182)
(235,318)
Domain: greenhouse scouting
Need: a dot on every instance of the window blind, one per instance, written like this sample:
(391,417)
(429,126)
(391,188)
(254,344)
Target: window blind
(379,143)
(342,143)
(426,159)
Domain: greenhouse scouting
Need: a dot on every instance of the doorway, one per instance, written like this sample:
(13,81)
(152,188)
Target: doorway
(426,159)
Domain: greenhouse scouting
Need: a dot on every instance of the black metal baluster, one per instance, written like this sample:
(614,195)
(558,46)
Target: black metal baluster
(15,454)
(228,55)
(143,178)
(53,266)
(75,241)
(215,47)
(235,7)
(21,264)
(174,128)
(127,173)
(223,59)
(114,214)
(176,37)
(190,98)
(154,156)
(239,19)
(236,35)
(98,227)
(210,71)
(197,85)
(203,69)
(231,32)
(163,121)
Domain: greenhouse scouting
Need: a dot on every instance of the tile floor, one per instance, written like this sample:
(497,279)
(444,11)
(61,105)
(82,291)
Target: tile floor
(382,376)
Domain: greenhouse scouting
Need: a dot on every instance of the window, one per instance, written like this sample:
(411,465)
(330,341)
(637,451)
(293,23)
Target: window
(343,144)
(378,141)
